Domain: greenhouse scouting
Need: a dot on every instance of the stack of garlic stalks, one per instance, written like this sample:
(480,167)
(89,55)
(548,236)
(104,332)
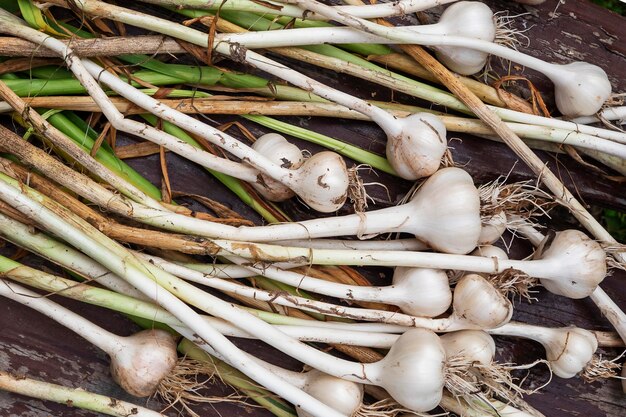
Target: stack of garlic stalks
(423,341)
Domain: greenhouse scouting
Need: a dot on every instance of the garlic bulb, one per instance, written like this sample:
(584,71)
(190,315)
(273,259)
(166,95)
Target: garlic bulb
(282,153)
(422,292)
(417,150)
(344,396)
(568,349)
(476,345)
(490,251)
(468,19)
(449,212)
(322,182)
(580,88)
(578,262)
(147,358)
(479,305)
(492,228)
(277,149)
(413,370)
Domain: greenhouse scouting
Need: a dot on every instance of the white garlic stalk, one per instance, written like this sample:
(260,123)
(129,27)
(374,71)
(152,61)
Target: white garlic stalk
(367,11)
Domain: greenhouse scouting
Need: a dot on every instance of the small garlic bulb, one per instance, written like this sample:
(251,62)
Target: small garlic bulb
(476,345)
(323,181)
(343,396)
(490,251)
(282,153)
(579,264)
(492,228)
(479,305)
(278,150)
(413,370)
(421,292)
(468,19)
(417,151)
(568,350)
(582,90)
(146,358)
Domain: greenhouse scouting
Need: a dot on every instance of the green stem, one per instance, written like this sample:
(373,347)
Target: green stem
(72,397)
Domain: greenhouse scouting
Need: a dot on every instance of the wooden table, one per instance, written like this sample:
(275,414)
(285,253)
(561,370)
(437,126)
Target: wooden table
(41,349)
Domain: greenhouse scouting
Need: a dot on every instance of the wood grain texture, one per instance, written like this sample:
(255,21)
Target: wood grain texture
(33,345)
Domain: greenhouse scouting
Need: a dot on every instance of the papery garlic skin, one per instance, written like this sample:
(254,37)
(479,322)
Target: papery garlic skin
(467,19)
(344,396)
(417,150)
(447,212)
(420,292)
(581,92)
(145,359)
(579,264)
(413,370)
(476,345)
(477,304)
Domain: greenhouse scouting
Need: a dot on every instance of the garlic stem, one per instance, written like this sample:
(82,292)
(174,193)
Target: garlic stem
(359,334)
(440,325)
(55,251)
(77,397)
(370,11)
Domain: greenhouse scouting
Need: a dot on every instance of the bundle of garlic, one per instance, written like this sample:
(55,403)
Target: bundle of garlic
(420,340)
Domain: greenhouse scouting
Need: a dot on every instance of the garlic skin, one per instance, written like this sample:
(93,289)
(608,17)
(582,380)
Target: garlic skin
(468,19)
(569,350)
(476,345)
(322,182)
(146,358)
(492,228)
(583,91)
(344,396)
(417,150)
(479,305)
(447,212)
(421,292)
(413,370)
(579,264)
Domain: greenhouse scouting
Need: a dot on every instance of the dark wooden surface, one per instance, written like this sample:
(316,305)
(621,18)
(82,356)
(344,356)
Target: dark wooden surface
(37,347)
